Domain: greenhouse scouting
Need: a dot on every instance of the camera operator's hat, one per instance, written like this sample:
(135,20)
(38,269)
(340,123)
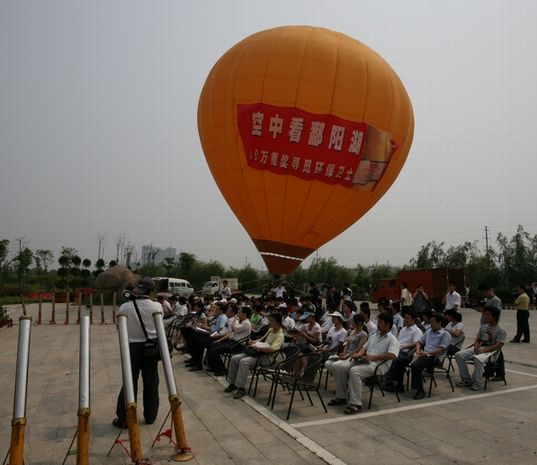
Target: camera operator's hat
(144,286)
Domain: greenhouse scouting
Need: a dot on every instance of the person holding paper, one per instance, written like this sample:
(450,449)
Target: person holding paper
(242,363)
(490,338)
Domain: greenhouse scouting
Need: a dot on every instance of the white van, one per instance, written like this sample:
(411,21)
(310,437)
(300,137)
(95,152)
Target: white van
(174,286)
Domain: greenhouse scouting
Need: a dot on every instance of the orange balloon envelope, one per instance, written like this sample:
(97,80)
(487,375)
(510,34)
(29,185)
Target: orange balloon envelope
(304,129)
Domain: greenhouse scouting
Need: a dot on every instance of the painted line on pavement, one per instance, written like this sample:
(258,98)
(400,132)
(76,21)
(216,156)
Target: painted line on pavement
(407,408)
(309,444)
(521,373)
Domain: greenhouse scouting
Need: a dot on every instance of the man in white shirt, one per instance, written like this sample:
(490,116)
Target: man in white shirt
(380,347)
(240,328)
(225,293)
(409,335)
(452,298)
(147,366)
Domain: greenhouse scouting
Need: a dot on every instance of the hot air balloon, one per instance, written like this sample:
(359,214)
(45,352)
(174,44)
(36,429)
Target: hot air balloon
(303,129)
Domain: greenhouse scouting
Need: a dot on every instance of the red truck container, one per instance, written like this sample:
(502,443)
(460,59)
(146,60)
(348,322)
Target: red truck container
(434,280)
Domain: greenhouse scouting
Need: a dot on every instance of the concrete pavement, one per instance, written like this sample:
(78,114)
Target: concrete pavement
(461,427)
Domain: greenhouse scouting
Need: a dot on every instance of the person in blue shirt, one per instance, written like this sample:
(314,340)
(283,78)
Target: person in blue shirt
(430,349)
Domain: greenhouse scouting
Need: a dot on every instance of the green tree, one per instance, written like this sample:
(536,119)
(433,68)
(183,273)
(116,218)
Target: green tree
(186,263)
(4,251)
(461,255)
(431,255)
(170,266)
(22,262)
(45,258)
(517,259)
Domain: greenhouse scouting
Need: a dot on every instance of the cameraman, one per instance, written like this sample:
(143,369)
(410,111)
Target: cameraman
(140,363)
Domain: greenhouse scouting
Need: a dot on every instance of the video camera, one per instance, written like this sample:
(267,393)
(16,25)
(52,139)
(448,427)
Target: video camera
(129,295)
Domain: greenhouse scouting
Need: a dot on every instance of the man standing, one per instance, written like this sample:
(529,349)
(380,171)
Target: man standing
(225,293)
(139,362)
(452,299)
(380,347)
(430,348)
(490,338)
(406,299)
(421,300)
(522,304)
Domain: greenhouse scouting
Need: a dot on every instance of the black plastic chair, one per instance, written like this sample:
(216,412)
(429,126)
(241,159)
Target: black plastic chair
(267,360)
(305,381)
(235,348)
(326,354)
(268,368)
(437,369)
(379,380)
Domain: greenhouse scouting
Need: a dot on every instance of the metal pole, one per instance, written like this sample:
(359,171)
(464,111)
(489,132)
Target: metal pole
(67,302)
(184,451)
(114,296)
(40,309)
(84,411)
(79,307)
(53,318)
(128,390)
(18,423)
(91,308)
(102,308)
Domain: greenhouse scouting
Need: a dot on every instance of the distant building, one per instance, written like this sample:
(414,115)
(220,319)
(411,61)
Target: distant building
(153,254)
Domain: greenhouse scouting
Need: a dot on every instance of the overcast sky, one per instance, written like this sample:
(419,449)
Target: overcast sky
(98,131)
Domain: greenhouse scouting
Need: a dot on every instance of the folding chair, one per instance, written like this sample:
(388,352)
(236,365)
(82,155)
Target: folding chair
(436,369)
(305,381)
(379,380)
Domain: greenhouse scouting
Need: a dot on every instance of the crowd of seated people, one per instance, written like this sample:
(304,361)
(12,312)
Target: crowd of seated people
(353,345)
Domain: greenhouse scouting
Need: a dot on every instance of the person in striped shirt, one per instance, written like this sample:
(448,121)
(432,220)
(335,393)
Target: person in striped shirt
(491,337)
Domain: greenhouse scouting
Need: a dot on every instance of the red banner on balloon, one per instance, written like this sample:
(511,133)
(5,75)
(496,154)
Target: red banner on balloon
(290,141)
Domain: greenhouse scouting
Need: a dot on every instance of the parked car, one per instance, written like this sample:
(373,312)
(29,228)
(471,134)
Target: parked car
(174,286)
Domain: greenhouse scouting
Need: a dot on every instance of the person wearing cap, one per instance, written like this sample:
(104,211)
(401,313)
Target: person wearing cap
(308,334)
(147,366)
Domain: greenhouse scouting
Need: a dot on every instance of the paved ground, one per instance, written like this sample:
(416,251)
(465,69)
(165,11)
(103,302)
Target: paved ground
(461,427)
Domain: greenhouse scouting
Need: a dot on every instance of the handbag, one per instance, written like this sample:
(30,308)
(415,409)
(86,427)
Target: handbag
(252,352)
(151,347)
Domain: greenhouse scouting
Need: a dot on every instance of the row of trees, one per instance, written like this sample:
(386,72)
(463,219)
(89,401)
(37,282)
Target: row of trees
(511,262)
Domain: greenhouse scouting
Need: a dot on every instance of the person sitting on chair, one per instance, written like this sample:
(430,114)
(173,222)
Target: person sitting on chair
(491,337)
(241,364)
(429,350)
(456,329)
(381,346)
(409,335)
